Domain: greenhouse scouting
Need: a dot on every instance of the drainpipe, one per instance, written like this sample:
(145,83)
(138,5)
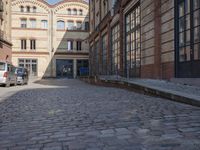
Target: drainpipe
(51,42)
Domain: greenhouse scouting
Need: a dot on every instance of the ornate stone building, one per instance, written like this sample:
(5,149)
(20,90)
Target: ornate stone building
(50,40)
(145,38)
(5,30)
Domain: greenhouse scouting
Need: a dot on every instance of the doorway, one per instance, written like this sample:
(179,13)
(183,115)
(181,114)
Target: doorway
(64,68)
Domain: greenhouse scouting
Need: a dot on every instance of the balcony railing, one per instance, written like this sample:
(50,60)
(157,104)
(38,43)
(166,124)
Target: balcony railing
(72,51)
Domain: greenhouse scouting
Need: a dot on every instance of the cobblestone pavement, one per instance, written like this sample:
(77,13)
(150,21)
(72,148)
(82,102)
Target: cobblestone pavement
(72,115)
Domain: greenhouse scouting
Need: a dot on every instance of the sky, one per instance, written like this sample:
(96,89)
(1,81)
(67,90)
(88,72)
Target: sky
(55,1)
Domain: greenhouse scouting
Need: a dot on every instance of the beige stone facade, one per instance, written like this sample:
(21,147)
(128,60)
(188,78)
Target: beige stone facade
(50,40)
(5,30)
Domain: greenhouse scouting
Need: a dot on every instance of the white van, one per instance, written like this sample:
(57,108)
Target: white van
(7,74)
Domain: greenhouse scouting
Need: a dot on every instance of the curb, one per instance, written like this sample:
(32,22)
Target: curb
(146,90)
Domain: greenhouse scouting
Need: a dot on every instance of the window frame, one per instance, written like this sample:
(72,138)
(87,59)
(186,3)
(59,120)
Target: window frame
(44,24)
(23,44)
(32,44)
(59,25)
(23,24)
(115,49)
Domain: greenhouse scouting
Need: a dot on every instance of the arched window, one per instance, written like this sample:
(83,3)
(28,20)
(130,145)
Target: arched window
(74,11)
(27,8)
(60,25)
(69,12)
(34,9)
(22,8)
(81,12)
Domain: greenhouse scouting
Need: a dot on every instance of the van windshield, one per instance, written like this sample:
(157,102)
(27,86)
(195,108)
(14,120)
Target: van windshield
(19,70)
(2,66)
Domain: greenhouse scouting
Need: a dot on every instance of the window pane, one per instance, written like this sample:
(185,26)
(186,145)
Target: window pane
(44,24)
(181,39)
(188,37)
(197,34)
(197,51)
(188,22)
(23,23)
(61,25)
(187,6)
(70,25)
(181,9)
(196,4)
(33,23)
(197,18)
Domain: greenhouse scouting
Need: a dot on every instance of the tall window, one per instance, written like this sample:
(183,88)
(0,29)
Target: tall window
(69,12)
(79,25)
(22,8)
(187,38)
(115,51)
(60,25)
(23,44)
(96,57)
(79,45)
(105,7)
(34,9)
(69,45)
(74,11)
(189,24)
(44,24)
(32,44)
(133,49)
(104,54)
(70,25)
(23,23)
(28,8)
(87,26)
(81,12)
(33,23)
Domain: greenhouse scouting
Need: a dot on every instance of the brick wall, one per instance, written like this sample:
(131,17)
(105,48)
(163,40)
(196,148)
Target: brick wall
(5,50)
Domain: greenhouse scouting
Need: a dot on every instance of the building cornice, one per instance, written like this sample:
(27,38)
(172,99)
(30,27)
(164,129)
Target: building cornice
(30,53)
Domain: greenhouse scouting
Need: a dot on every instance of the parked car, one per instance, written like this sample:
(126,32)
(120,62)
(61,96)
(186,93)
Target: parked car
(22,76)
(7,74)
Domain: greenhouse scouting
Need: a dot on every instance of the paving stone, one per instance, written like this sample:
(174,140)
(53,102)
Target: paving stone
(69,114)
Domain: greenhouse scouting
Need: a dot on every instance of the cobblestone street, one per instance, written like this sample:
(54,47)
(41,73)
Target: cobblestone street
(73,115)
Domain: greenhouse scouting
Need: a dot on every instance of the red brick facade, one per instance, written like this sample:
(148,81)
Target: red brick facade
(151,66)
(5,51)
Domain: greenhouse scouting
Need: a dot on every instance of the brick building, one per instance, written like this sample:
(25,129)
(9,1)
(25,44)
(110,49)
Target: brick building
(145,38)
(5,30)
(50,40)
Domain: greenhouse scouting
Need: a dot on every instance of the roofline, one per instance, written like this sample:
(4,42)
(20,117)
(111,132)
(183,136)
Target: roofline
(61,2)
(65,1)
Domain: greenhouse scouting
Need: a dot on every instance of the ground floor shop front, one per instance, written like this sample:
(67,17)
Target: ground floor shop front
(41,65)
